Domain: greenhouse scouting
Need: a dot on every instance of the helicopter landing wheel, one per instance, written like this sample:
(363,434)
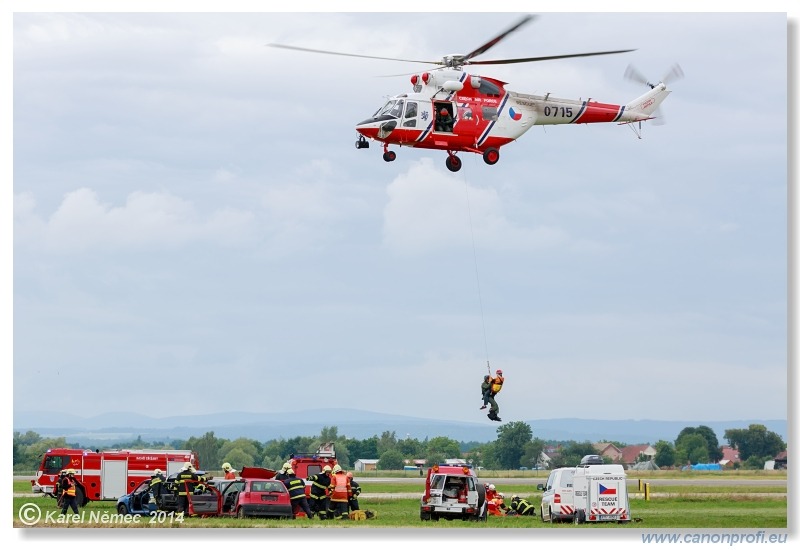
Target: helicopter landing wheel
(491,156)
(389,156)
(453,163)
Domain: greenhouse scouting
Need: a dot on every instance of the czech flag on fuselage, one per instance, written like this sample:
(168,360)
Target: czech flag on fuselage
(607,490)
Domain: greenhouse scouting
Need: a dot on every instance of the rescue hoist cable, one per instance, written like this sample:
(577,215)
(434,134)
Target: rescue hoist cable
(477,277)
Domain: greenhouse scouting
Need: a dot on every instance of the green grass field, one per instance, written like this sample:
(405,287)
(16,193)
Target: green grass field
(676,507)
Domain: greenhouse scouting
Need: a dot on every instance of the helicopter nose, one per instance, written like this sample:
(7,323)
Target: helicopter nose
(377,129)
(367,131)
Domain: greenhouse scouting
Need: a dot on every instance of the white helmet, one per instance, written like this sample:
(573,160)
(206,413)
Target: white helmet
(337,469)
(501,495)
(157,471)
(286,466)
(187,466)
(226,466)
(491,486)
(326,468)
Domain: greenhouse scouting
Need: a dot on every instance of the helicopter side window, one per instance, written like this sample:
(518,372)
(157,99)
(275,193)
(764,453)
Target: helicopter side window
(488,88)
(489,113)
(411,115)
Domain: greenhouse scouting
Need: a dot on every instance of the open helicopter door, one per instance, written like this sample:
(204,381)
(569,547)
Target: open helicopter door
(439,107)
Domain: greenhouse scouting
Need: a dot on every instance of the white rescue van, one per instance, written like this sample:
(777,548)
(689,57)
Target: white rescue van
(557,502)
(600,492)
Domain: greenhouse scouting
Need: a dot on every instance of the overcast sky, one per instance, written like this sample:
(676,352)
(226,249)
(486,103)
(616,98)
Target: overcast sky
(189,209)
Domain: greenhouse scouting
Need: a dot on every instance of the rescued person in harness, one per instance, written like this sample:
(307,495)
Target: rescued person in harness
(490,387)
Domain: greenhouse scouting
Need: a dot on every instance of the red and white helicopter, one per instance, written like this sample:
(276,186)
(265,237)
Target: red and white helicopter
(454,111)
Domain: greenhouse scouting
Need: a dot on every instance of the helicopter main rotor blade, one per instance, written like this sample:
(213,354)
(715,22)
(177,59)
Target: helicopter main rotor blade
(543,58)
(498,38)
(296,48)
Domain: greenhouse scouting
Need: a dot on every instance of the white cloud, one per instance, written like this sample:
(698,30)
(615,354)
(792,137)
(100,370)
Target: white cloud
(83,222)
(429,210)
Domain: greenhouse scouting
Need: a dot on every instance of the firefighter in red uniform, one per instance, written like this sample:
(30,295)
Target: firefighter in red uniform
(491,492)
(230,473)
(340,493)
(69,492)
(297,494)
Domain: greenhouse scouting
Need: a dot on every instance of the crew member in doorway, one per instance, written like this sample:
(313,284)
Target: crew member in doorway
(444,121)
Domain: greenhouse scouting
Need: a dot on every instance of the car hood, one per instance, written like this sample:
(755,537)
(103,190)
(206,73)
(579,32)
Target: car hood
(254,472)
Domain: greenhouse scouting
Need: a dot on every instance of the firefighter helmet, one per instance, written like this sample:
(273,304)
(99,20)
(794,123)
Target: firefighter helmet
(326,468)
(70,471)
(499,371)
(157,472)
(226,466)
(286,466)
(491,486)
(514,497)
(443,112)
(337,469)
(187,466)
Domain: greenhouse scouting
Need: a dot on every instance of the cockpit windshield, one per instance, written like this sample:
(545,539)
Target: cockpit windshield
(393,107)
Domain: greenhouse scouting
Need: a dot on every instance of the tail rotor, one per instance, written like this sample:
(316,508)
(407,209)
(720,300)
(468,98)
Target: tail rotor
(673,74)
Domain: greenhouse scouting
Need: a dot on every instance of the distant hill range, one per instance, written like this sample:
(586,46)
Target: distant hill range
(111,428)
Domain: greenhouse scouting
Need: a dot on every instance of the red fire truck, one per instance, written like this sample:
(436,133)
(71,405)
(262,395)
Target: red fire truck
(107,475)
(309,464)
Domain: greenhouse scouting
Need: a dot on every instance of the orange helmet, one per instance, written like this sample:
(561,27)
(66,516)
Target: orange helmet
(443,112)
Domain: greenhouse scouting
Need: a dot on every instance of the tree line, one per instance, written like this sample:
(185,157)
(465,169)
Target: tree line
(513,448)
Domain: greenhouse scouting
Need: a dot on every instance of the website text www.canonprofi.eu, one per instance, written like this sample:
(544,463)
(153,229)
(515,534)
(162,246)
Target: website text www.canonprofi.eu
(730,539)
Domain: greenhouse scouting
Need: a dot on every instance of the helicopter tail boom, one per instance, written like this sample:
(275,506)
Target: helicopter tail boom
(645,105)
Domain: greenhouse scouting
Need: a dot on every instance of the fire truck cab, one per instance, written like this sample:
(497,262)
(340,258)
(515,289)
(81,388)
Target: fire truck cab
(107,475)
(309,464)
(452,491)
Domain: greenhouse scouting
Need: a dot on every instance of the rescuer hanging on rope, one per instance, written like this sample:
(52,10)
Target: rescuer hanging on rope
(490,387)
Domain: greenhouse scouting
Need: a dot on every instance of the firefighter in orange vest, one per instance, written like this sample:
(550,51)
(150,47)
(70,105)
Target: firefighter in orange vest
(340,493)
(69,492)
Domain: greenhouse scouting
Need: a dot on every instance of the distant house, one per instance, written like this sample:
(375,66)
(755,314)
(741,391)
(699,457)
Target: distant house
(608,450)
(637,453)
(365,465)
(730,457)
(781,460)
